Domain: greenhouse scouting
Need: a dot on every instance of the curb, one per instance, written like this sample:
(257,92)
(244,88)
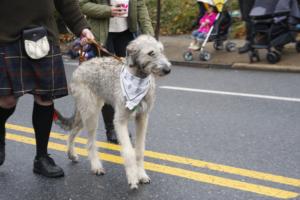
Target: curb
(240,66)
(266,67)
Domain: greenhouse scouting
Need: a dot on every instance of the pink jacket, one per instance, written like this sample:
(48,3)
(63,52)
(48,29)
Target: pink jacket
(211,18)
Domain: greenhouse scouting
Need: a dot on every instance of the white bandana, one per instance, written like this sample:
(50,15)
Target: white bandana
(134,88)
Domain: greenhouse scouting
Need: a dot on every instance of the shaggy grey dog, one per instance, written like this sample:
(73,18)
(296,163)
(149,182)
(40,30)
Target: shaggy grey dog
(96,82)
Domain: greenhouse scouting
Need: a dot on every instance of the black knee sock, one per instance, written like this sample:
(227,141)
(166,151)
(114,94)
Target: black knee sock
(4,115)
(42,123)
(108,116)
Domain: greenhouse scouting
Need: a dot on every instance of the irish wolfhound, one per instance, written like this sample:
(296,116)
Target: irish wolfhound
(130,88)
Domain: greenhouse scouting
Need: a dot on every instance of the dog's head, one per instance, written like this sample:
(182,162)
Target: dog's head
(145,54)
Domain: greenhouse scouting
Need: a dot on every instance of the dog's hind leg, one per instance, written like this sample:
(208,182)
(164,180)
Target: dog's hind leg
(128,153)
(89,106)
(141,130)
(70,142)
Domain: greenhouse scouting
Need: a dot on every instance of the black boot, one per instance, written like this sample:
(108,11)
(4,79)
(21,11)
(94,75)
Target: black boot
(42,123)
(111,136)
(4,115)
(46,166)
(2,153)
(245,48)
(108,117)
(2,148)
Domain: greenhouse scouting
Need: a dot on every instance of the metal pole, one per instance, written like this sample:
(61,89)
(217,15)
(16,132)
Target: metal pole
(157,29)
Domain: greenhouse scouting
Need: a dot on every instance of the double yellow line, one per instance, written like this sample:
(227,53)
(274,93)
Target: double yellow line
(178,172)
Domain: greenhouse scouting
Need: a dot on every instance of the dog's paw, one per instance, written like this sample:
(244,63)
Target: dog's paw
(97,168)
(133,182)
(145,180)
(73,157)
(143,177)
(133,186)
(98,171)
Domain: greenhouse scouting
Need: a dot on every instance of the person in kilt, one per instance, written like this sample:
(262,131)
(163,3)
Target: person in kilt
(44,77)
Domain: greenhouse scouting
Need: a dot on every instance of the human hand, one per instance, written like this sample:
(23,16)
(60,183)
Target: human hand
(118,10)
(86,35)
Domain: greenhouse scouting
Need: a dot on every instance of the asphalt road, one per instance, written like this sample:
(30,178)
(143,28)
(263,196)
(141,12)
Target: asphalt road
(213,135)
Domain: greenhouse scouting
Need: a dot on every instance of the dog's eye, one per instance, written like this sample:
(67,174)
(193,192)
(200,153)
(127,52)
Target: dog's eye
(151,53)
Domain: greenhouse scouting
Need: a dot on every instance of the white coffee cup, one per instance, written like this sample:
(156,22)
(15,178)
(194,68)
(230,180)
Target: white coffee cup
(124,4)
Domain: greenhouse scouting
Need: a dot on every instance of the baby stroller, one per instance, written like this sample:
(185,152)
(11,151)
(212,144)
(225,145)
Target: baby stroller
(218,33)
(274,24)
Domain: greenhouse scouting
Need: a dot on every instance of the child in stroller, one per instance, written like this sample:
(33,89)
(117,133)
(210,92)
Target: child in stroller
(205,24)
(214,24)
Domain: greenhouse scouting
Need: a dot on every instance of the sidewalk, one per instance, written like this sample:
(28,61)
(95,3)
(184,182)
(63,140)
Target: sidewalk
(175,46)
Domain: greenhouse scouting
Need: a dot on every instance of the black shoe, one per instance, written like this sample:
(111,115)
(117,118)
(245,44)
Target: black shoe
(46,166)
(111,136)
(2,154)
(245,48)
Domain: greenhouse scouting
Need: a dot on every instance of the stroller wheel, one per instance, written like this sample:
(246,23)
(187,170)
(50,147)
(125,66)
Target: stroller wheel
(254,56)
(188,56)
(278,55)
(230,46)
(298,46)
(205,56)
(218,45)
(273,57)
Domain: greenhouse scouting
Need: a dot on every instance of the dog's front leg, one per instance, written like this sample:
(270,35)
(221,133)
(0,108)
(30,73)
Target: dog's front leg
(141,130)
(127,151)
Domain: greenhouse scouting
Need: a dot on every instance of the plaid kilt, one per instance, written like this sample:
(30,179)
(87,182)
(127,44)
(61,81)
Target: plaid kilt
(20,75)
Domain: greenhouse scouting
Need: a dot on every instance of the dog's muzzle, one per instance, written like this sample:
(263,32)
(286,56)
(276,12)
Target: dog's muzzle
(166,69)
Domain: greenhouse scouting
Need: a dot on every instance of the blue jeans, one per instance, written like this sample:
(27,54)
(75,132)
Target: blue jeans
(198,35)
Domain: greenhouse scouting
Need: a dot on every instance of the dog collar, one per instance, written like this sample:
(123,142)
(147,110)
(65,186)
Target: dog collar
(134,88)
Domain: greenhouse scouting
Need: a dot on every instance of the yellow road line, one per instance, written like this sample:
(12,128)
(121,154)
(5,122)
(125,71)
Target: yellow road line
(181,160)
(196,176)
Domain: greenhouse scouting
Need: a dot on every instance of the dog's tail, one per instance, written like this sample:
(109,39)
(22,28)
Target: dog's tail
(64,122)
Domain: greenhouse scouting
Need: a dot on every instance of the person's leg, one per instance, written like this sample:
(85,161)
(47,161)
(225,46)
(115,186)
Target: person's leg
(108,118)
(246,7)
(200,39)
(195,34)
(42,117)
(121,41)
(194,38)
(108,110)
(7,108)
(109,43)
(247,46)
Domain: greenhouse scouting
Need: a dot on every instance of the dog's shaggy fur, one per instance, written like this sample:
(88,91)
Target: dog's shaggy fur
(96,82)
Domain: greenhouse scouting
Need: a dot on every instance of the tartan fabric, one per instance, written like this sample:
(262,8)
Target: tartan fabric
(20,75)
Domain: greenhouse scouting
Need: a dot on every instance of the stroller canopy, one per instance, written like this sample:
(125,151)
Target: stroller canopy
(218,3)
(265,8)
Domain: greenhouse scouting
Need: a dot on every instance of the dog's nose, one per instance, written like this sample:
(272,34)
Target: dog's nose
(166,70)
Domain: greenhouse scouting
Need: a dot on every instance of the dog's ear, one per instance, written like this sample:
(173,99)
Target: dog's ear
(131,49)
(131,52)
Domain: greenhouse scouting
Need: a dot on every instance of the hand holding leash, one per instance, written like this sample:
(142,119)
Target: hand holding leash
(99,48)
(86,35)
